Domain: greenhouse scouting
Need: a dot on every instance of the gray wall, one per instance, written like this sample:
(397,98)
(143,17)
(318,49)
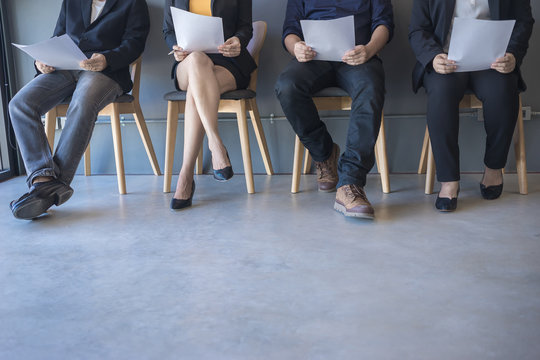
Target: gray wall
(405,121)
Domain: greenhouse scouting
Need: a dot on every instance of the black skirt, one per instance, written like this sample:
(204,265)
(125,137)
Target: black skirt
(242,80)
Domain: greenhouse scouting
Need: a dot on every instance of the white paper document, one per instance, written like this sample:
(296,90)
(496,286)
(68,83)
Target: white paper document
(59,52)
(476,44)
(197,32)
(330,39)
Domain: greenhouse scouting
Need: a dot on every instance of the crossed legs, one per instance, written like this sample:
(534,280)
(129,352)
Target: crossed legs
(204,83)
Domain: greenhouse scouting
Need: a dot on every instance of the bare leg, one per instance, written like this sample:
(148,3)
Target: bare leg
(204,83)
(193,138)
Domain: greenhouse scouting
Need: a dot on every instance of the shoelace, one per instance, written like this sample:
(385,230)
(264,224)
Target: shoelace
(355,192)
(322,170)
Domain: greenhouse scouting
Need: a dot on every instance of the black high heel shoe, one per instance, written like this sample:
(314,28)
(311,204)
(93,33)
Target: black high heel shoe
(446,204)
(224,174)
(491,192)
(178,204)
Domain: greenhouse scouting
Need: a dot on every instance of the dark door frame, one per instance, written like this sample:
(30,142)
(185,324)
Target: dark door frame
(5,97)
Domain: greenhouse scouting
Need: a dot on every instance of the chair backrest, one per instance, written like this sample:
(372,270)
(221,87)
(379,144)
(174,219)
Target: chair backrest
(135,70)
(254,47)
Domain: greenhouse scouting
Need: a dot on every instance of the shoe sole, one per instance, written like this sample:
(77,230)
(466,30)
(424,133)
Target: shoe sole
(38,206)
(342,209)
(327,191)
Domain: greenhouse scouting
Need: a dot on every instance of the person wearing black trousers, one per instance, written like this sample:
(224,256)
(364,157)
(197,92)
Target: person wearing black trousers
(498,88)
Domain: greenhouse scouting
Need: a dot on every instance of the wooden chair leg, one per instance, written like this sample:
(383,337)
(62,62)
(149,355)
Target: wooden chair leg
(50,125)
(87,163)
(297,163)
(145,137)
(244,142)
(199,161)
(307,161)
(170,142)
(259,134)
(519,147)
(382,159)
(118,153)
(424,155)
(430,171)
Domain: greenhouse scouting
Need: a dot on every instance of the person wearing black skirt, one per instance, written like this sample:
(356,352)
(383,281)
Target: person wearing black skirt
(205,77)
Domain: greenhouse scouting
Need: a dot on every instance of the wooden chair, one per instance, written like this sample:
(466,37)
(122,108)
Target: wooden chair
(124,104)
(427,162)
(335,98)
(237,101)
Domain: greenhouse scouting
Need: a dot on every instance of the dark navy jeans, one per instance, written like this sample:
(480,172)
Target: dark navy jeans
(90,91)
(364,84)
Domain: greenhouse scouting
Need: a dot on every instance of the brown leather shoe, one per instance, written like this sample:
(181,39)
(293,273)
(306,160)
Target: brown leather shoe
(351,201)
(327,176)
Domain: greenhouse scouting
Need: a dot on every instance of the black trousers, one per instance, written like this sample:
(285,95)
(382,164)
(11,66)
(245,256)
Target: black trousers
(364,84)
(500,97)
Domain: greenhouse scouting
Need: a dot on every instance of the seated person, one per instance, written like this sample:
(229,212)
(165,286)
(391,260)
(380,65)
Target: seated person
(360,74)
(205,77)
(112,34)
(498,88)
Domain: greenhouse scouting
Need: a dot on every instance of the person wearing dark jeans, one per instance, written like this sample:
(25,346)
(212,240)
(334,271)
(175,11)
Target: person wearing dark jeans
(360,74)
(498,88)
(112,34)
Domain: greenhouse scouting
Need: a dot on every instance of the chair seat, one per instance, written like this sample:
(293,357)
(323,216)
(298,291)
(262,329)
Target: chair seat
(331,92)
(230,95)
(123,99)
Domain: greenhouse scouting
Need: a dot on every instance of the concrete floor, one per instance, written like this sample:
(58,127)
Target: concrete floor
(271,275)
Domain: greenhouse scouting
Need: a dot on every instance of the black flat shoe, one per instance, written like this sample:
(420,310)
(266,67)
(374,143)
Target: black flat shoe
(446,204)
(40,198)
(178,204)
(491,192)
(224,174)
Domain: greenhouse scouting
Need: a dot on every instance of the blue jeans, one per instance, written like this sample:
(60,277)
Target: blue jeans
(364,84)
(90,91)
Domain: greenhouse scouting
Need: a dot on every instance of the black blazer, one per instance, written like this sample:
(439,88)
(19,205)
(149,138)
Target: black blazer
(430,24)
(119,33)
(236,15)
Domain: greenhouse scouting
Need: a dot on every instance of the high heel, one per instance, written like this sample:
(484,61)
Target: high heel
(224,174)
(446,204)
(178,204)
(491,192)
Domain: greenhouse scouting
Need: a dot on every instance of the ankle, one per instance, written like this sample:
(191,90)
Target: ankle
(449,189)
(492,177)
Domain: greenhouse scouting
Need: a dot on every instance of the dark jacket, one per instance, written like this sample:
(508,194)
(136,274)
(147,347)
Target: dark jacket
(236,15)
(430,24)
(119,33)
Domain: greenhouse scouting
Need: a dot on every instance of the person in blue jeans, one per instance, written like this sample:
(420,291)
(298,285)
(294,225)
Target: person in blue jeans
(112,34)
(360,74)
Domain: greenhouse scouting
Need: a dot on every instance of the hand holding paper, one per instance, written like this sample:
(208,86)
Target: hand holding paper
(476,44)
(506,64)
(59,52)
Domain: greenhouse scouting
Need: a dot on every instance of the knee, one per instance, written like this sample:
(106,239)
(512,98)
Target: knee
(198,60)
(286,88)
(20,104)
